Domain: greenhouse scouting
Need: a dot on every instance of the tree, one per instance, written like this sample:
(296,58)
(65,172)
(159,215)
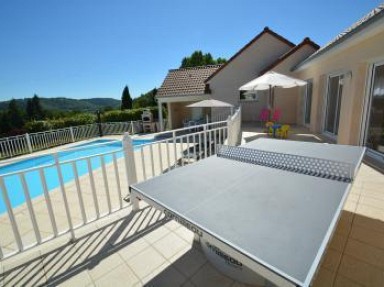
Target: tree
(145,100)
(34,109)
(5,124)
(199,59)
(15,115)
(126,100)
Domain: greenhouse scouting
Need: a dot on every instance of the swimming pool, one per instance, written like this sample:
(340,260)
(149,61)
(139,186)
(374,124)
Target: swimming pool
(13,182)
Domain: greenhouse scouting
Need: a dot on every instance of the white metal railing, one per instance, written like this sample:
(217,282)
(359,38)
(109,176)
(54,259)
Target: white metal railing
(63,193)
(28,143)
(14,145)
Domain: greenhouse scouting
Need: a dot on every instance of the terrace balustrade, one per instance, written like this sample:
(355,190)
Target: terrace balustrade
(97,183)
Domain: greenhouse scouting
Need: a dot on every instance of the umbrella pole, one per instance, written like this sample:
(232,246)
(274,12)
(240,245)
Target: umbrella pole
(270,103)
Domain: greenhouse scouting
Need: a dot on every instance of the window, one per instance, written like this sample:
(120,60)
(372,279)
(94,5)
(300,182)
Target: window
(332,117)
(249,96)
(308,102)
(375,128)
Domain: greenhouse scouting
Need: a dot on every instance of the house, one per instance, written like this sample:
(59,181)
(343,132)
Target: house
(266,51)
(344,97)
(222,82)
(347,86)
(180,88)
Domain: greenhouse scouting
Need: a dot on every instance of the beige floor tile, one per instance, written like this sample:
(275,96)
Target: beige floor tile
(342,281)
(188,284)
(331,260)
(172,225)
(156,234)
(366,253)
(7,236)
(98,267)
(120,276)
(353,197)
(361,272)
(368,236)
(210,277)
(369,211)
(350,206)
(169,245)
(185,234)
(30,273)
(373,193)
(61,261)
(323,278)
(338,242)
(164,276)
(133,248)
(372,201)
(146,262)
(21,259)
(369,223)
(188,261)
(80,279)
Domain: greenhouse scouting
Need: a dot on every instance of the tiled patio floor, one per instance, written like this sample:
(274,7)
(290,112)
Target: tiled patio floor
(129,249)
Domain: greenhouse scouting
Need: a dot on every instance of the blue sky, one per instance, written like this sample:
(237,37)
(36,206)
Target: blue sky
(93,48)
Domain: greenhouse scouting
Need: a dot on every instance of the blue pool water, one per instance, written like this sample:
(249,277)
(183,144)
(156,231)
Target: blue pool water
(13,182)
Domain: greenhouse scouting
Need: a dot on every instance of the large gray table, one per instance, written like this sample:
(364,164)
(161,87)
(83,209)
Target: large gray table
(270,206)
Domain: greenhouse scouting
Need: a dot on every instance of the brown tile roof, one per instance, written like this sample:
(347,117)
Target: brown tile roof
(368,19)
(306,41)
(186,81)
(266,30)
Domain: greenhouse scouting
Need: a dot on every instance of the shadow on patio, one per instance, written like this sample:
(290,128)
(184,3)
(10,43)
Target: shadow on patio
(252,131)
(144,249)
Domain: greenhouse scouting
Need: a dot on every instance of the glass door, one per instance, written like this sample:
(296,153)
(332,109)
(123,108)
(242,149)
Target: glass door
(332,116)
(308,102)
(375,127)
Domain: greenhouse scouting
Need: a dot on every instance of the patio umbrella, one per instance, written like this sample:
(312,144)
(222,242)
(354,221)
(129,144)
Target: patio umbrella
(211,103)
(269,81)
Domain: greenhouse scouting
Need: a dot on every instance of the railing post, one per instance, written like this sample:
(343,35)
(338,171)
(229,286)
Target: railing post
(174,147)
(64,194)
(160,115)
(229,130)
(132,129)
(28,139)
(130,167)
(72,134)
(206,144)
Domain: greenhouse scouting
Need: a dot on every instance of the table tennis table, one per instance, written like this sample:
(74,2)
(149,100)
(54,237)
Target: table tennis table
(265,211)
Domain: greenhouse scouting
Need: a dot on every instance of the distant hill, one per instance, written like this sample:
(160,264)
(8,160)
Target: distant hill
(65,104)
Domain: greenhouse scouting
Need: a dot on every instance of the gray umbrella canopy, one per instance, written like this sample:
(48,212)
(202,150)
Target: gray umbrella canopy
(210,104)
(270,80)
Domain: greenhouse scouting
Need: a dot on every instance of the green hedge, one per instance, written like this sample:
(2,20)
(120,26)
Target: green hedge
(37,126)
(128,115)
(88,118)
(75,120)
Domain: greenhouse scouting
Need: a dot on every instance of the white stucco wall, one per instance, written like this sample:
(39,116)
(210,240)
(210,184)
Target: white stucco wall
(354,59)
(291,101)
(246,67)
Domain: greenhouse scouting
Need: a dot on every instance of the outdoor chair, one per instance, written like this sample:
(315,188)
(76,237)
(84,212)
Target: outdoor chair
(283,131)
(264,115)
(276,115)
(268,128)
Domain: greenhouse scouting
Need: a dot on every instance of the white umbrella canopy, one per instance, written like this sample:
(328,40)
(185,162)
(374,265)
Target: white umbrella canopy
(210,104)
(269,81)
